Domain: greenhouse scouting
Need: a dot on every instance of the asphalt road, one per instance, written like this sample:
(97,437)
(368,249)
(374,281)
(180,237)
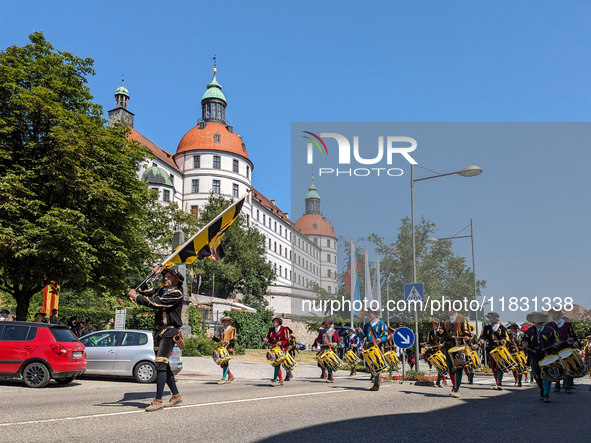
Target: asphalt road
(108,410)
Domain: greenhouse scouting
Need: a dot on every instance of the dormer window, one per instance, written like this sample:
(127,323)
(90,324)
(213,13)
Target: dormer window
(216,138)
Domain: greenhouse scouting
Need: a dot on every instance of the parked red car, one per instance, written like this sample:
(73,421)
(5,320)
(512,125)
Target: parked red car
(38,352)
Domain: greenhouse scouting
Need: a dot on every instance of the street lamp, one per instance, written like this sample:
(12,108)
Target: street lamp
(468,171)
(434,240)
(388,251)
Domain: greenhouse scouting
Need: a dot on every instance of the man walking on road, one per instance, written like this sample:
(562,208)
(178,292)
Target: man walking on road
(168,304)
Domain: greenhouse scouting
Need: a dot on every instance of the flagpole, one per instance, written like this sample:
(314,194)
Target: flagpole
(353,283)
(204,228)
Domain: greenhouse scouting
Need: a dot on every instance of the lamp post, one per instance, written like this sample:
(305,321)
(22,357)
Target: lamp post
(434,240)
(388,251)
(468,171)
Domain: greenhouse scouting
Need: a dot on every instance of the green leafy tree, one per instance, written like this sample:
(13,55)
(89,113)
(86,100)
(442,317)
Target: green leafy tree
(72,206)
(244,269)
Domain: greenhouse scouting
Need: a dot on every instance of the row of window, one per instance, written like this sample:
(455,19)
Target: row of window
(215,187)
(217,164)
(284,232)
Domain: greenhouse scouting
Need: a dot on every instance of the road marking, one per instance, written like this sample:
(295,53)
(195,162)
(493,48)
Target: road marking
(112,414)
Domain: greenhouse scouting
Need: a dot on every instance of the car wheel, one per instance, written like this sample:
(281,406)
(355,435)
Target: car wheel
(36,375)
(65,381)
(145,372)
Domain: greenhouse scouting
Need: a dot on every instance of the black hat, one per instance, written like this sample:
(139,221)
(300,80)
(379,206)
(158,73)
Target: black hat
(174,271)
(493,314)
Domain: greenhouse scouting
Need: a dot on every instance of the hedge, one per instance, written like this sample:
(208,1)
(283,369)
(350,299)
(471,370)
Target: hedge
(251,327)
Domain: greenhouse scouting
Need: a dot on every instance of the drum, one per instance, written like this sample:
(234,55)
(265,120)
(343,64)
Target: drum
(289,363)
(331,360)
(573,362)
(374,360)
(503,359)
(521,360)
(221,356)
(351,358)
(552,368)
(474,364)
(275,356)
(320,357)
(392,360)
(438,360)
(460,356)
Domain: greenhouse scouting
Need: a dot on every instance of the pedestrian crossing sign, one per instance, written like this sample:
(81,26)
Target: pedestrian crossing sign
(414,292)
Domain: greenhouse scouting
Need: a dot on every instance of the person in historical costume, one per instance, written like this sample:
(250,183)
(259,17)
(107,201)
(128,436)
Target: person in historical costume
(514,346)
(375,333)
(587,354)
(473,344)
(352,343)
(328,338)
(568,339)
(493,335)
(539,341)
(227,338)
(167,303)
(456,332)
(278,335)
(435,343)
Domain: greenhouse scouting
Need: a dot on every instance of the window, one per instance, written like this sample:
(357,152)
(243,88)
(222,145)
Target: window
(17,333)
(195,211)
(328,273)
(315,241)
(329,290)
(216,162)
(328,243)
(195,186)
(328,258)
(280,270)
(269,243)
(134,339)
(290,255)
(279,229)
(264,222)
(279,249)
(196,161)
(235,166)
(234,190)
(275,246)
(315,226)
(216,138)
(247,172)
(257,215)
(275,226)
(289,275)
(285,272)
(216,187)
(166,195)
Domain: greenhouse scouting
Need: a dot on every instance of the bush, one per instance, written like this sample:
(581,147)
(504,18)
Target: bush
(195,320)
(251,327)
(196,346)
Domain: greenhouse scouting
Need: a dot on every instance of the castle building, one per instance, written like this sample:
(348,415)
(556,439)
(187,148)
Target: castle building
(212,158)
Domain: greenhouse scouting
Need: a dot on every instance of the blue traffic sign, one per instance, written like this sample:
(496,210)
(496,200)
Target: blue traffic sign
(404,338)
(414,292)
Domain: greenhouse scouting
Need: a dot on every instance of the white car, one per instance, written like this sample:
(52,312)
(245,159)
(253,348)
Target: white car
(125,352)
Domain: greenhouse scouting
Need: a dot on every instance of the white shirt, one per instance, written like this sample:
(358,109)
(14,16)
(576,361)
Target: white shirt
(452,318)
(277,329)
(496,327)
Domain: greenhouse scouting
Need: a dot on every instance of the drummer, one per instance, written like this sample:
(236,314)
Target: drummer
(473,343)
(227,338)
(456,332)
(493,335)
(352,343)
(538,341)
(515,336)
(375,334)
(328,338)
(568,339)
(434,344)
(278,335)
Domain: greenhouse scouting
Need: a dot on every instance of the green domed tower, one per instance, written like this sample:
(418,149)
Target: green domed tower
(120,114)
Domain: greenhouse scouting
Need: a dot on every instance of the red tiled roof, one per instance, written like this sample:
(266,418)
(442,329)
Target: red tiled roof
(323,227)
(197,139)
(264,201)
(160,154)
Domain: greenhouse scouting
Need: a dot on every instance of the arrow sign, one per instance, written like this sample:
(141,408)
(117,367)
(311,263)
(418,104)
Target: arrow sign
(404,338)
(414,292)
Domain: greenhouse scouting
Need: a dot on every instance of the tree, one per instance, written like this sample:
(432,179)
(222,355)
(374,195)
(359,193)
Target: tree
(443,273)
(72,206)
(244,269)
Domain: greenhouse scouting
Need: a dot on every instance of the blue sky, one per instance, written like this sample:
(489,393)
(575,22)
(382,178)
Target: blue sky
(381,61)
